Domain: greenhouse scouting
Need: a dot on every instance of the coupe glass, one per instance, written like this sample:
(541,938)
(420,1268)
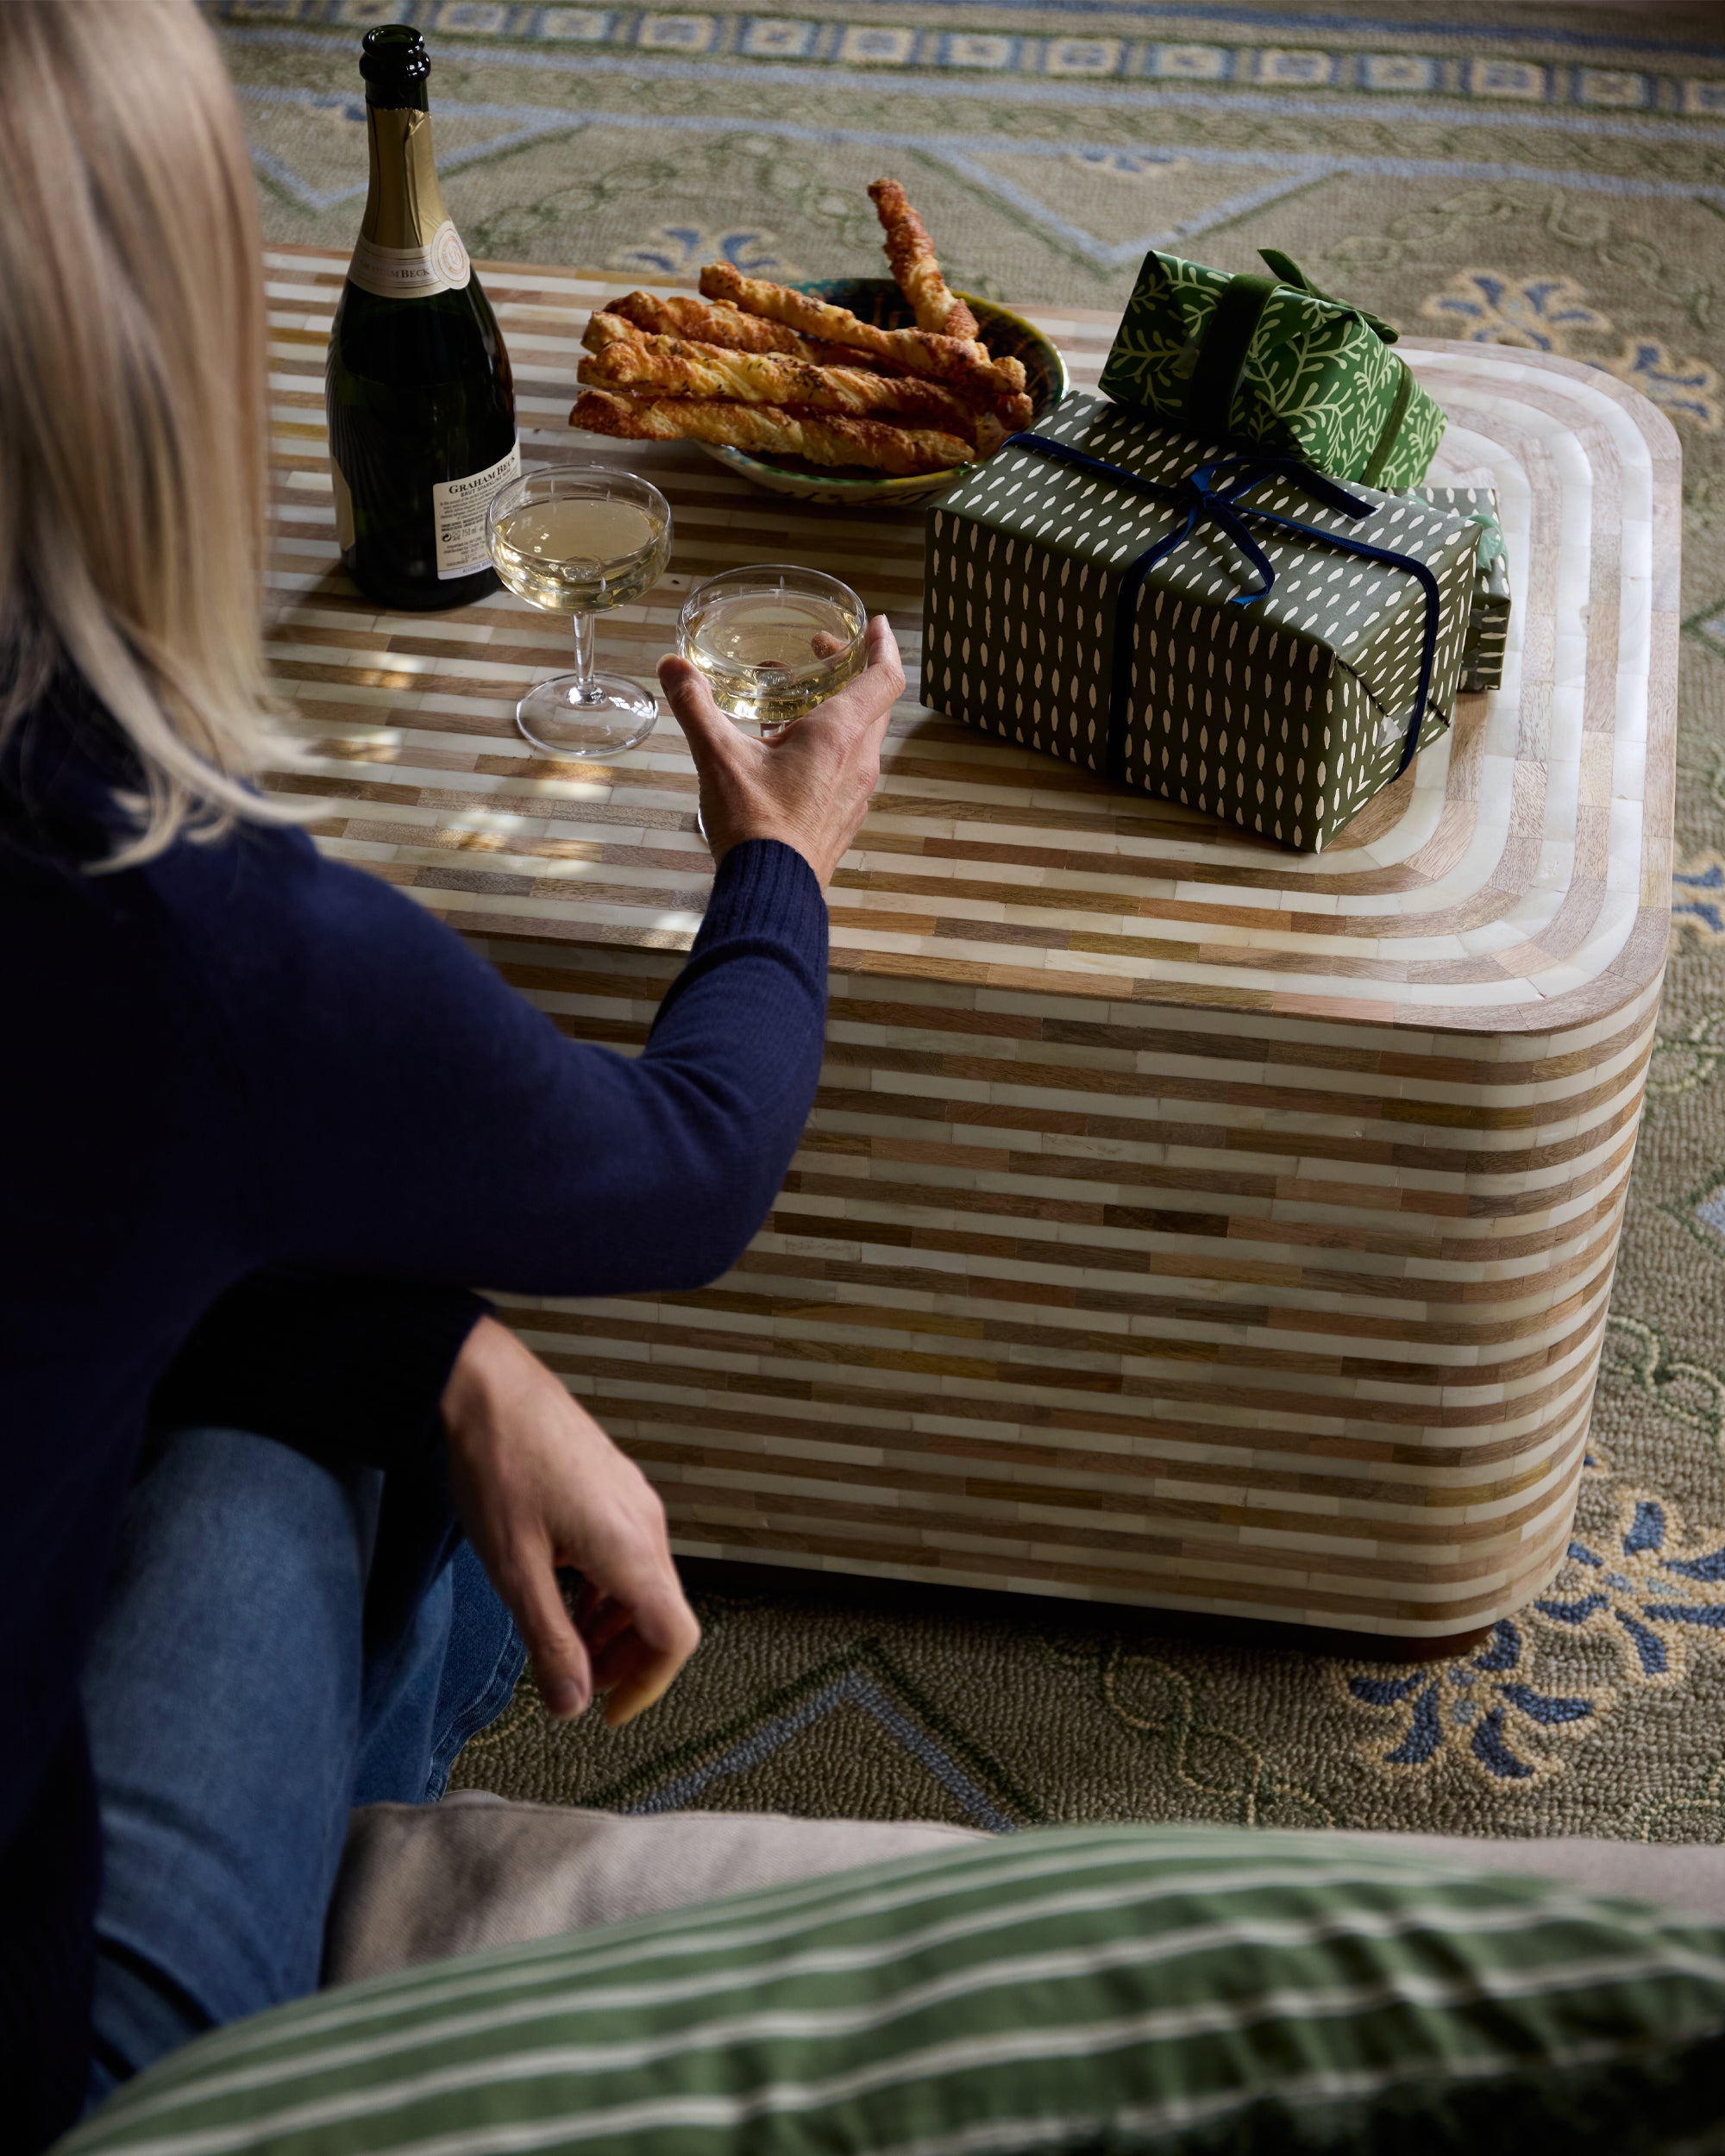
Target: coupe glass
(578,539)
(773,640)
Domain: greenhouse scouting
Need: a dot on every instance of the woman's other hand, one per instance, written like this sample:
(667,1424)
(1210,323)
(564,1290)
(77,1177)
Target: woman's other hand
(538,1484)
(808,784)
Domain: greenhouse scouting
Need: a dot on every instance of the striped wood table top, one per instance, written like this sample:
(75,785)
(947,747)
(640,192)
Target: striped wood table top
(1183,1221)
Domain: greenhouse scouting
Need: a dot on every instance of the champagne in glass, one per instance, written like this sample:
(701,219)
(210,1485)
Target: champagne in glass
(772,641)
(578,540)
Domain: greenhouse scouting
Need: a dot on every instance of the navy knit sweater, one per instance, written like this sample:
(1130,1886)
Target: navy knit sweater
(267,1117)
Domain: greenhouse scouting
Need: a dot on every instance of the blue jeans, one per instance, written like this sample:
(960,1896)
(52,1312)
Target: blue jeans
(282,1639)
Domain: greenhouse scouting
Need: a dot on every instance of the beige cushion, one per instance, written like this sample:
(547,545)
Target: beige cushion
(1684,1876)
(420,1881)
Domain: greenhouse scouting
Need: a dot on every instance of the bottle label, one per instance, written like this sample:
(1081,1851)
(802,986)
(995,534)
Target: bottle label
(458,516)
(411,273)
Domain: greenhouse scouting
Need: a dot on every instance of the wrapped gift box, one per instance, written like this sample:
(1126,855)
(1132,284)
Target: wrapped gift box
(1096,614)
(1488,627)
(1273,361)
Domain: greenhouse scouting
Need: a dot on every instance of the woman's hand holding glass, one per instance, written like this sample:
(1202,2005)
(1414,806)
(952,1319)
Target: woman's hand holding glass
(808,784)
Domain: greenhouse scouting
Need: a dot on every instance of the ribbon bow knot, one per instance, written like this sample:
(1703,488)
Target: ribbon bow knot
(1212,494)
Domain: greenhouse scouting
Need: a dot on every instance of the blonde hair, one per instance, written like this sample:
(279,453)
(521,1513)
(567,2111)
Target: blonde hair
(132,439)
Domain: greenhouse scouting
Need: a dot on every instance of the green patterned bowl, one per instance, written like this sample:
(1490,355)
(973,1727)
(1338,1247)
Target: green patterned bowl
(878,299)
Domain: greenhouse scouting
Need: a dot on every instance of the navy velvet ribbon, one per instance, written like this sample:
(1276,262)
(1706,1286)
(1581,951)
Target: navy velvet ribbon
(1212,495)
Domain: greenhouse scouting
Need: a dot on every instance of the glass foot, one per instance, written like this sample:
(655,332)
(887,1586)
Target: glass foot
(554,722)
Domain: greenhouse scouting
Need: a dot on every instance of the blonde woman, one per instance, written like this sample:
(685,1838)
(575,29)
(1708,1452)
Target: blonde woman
(266,1119)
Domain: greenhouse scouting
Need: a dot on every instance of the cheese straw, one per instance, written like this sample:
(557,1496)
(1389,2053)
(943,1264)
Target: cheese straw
(770,430)
(673,367)
(911,252)
(950,360)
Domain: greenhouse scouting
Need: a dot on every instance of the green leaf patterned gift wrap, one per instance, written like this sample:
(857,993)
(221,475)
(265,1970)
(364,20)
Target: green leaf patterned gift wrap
(1273,361)
(1488,628)
(1284,713)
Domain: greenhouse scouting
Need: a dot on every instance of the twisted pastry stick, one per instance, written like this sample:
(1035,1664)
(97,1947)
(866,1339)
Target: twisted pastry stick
(635,360)
(683,315)
(952,359)
(989,418)
(769,430)
(911,252)
(710,322)
(714,324)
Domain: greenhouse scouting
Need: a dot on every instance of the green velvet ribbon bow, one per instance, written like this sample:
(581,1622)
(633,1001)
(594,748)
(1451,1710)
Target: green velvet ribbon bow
(1289,272)
(1490,537)
(1219,361)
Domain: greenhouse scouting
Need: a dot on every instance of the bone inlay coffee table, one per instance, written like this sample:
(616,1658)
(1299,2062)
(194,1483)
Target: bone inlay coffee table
(1183,1221)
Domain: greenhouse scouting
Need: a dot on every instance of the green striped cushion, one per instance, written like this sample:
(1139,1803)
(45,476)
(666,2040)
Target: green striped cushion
(1089,1989)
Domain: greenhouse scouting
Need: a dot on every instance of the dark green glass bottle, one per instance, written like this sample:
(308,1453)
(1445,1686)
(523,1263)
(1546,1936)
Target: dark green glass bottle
(417,388)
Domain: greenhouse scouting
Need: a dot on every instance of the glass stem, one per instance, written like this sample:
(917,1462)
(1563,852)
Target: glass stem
(585,693)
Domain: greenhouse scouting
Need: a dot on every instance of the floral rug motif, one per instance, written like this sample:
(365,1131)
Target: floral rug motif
(1638,1583)
(1551,314)
(1551,177)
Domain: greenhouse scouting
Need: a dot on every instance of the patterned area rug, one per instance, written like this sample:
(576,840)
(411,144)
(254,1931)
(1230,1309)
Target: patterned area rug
(1544,176)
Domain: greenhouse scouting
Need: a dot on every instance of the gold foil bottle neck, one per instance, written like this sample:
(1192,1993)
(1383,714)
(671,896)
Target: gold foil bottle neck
(404,205)
(408,247)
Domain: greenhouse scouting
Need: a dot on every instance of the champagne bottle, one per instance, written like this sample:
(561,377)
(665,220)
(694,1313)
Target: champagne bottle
(417,388)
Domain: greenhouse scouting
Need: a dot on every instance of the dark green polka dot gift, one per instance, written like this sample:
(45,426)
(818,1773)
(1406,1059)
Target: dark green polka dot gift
(1273,361)
(1222,629)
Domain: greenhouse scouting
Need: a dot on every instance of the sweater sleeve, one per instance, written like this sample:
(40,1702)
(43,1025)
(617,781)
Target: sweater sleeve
(341,1367)
(419,1120)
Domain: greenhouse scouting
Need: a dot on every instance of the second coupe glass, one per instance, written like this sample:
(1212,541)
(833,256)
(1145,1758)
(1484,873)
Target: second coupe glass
(579,539)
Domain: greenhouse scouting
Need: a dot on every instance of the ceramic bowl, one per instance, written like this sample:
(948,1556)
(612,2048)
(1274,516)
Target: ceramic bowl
(878,299)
